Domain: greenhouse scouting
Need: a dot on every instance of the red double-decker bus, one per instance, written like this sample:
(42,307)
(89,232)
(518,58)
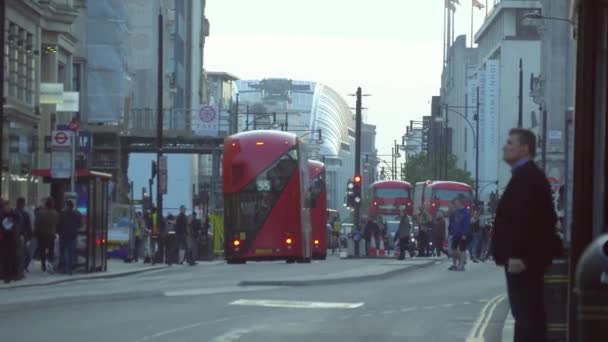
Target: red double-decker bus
(266,198)
(318,209)
(389,197)
(437,195)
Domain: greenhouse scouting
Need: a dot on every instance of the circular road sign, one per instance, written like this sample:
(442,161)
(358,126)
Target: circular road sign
(206,114)
(61,138)
(74,125)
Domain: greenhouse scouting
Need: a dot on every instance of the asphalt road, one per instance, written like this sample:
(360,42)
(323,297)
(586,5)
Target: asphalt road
(206,304)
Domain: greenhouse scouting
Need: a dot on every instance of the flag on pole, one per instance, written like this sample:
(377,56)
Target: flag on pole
(450,5)
(478,4)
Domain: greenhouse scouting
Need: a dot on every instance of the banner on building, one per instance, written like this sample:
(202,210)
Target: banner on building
(206,121)
(51,93)
(61,164)
(71,102)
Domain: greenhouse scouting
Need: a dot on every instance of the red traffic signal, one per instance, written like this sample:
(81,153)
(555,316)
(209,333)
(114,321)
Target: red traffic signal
(357,179)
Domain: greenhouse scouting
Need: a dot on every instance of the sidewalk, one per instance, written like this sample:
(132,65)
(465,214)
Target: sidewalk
(508,329)
(116,268)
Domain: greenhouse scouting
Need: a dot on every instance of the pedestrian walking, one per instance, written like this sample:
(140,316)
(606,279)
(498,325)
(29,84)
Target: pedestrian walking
(403,235)
(425,222)
(139,226)
(461,230)
(197,235)
(24,223)
(45,228)
(439,234)
(475,237)
(525,219)
(70,222)
(181,232)
(9,245)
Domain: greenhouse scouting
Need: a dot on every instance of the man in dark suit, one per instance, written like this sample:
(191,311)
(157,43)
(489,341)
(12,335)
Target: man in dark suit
(523,236)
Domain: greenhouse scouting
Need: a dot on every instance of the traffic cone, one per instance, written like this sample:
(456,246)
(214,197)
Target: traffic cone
(381,251)
(372,247)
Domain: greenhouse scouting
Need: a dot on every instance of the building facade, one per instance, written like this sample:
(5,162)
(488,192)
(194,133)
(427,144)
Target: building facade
(43,44)
(504,39)
(457,95)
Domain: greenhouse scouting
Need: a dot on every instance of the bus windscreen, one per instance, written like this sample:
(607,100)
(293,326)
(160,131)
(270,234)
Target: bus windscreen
(392,193)
(450,194)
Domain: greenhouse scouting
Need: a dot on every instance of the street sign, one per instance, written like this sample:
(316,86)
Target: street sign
(61,139)
(74,125)
(85,141)
(61,164)
(71,102)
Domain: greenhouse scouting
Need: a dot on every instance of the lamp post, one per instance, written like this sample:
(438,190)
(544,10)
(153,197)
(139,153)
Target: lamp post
(475,132)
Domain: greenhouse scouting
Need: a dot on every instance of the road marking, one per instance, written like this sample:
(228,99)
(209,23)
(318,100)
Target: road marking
(183,328)
(408,309)
(231,336)
(482,331)
(447,305)
(367,315)
(344,318)
(478,330)
(295,304)
(466,303)
(388,312)
(209,291)
(428,307)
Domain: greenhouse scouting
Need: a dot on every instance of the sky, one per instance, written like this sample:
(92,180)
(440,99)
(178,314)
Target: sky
(390,48)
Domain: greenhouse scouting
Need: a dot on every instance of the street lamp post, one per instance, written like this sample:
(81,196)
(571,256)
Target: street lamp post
(475,132)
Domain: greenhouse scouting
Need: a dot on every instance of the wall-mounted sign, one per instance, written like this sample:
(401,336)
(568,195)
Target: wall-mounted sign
(51,93)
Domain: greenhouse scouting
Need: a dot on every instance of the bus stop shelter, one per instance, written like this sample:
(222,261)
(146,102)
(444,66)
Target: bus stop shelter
(92,201)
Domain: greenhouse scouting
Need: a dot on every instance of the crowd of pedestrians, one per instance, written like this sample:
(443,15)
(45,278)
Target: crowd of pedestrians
(42,233)
(171,239)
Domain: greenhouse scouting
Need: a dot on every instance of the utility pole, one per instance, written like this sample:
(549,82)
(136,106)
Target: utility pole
(544,142)
(159,120)
(2,16)
(357,212)
(446,142)
(521,97)
(477,148)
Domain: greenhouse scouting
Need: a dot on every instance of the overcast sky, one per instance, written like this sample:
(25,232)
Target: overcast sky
(391,48)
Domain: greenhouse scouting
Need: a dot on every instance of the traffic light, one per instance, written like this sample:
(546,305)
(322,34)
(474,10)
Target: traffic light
(357,190)
(350,198)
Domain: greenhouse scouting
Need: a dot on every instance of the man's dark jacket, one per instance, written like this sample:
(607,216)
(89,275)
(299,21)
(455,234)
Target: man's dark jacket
(525,220)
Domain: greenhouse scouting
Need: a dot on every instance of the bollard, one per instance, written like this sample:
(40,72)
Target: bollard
(556,300)
(592,292)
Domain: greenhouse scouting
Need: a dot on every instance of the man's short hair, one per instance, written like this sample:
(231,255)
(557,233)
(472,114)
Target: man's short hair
(525,137)
(70,204)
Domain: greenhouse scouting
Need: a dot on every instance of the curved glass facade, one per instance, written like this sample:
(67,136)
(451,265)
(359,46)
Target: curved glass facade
(305,107)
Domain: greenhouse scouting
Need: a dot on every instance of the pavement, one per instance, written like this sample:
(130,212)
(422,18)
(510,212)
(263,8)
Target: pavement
(116,268)
(208,302)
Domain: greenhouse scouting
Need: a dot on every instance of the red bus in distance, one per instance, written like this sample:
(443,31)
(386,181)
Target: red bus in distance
(437,195)
(318,209)
(265,184)
(389,197)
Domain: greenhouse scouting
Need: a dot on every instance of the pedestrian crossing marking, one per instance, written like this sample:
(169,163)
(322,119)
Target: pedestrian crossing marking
(295,304)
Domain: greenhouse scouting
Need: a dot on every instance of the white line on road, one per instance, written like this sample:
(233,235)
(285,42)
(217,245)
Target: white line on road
(182,328)
(478,330)
(428,307)
(408,309)
(295,304)
(231,336)
(367,315)
(466,303)
(447,305)
(388,312)
(209,291)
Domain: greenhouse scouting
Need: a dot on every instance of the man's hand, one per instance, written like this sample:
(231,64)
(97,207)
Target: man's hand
(516,266)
